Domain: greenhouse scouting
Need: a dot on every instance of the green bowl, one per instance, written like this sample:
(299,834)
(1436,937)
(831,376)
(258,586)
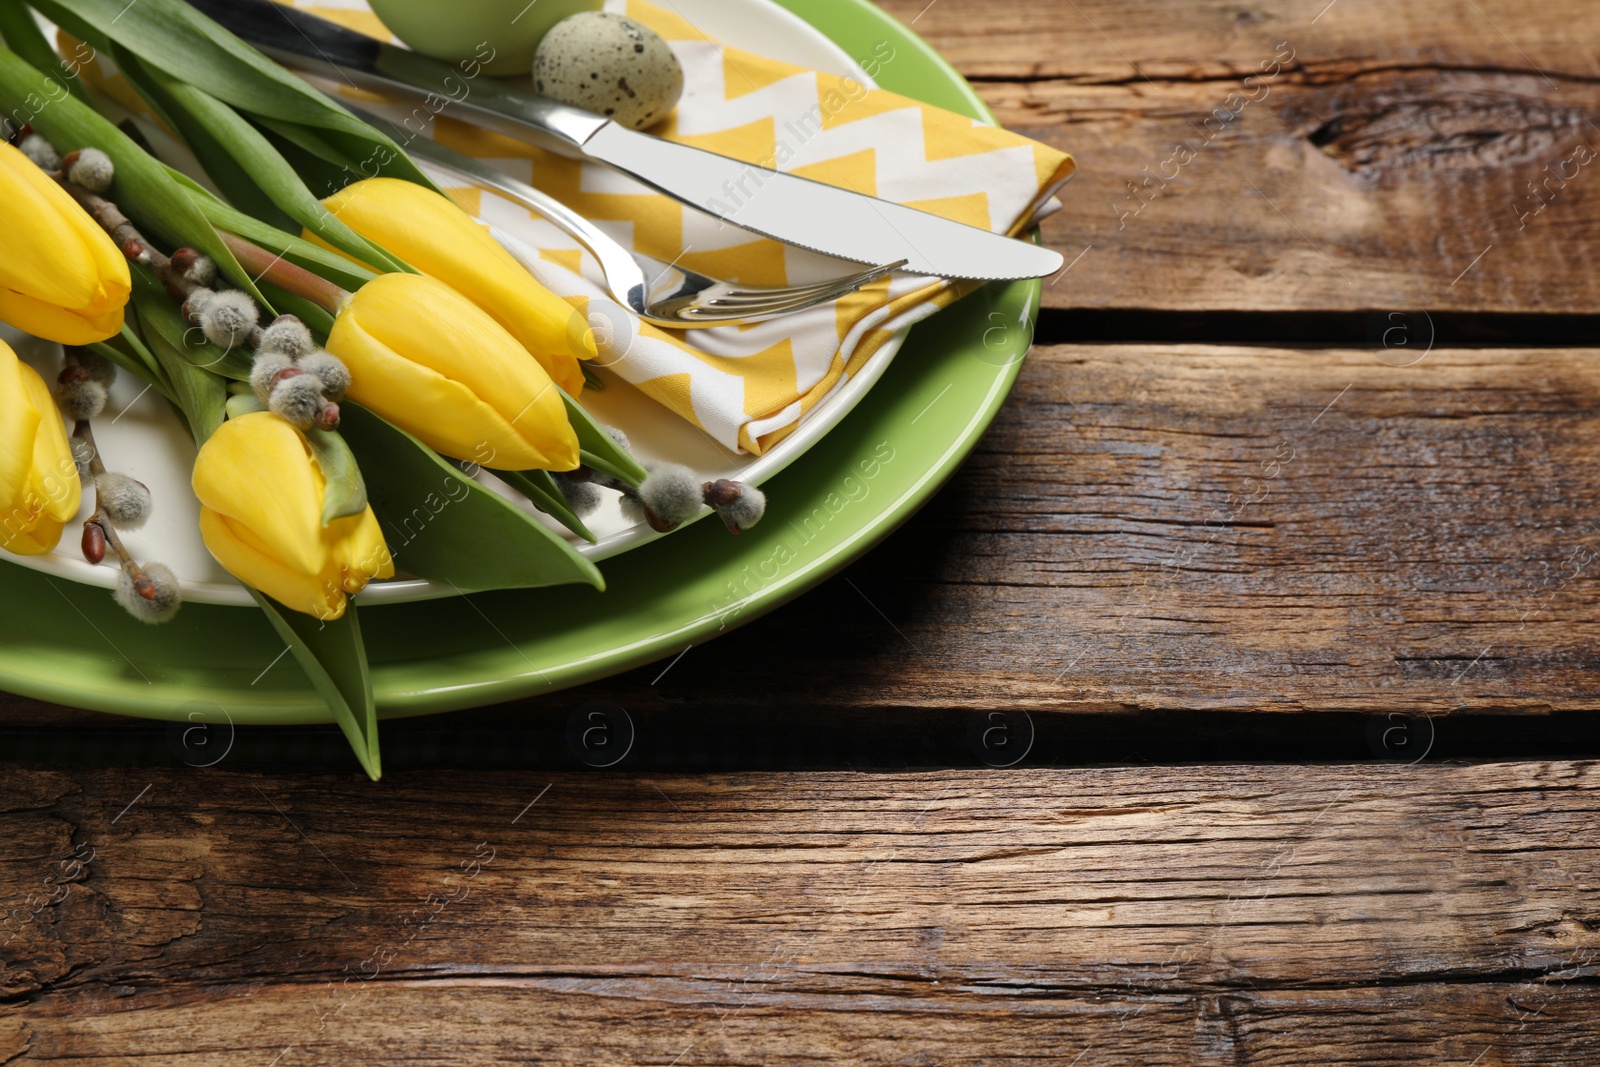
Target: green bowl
(71,644)
(499,34)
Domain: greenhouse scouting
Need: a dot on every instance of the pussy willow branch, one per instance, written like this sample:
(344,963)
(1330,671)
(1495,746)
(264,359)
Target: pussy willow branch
(128,238)
(263,264)
(101,518)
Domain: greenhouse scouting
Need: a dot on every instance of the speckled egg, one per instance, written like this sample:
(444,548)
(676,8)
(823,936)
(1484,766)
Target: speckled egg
(610,65)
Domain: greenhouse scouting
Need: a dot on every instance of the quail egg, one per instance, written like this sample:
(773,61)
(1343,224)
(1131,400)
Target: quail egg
(611,65)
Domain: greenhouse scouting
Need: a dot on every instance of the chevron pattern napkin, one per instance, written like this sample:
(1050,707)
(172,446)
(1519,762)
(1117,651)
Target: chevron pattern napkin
(749,387)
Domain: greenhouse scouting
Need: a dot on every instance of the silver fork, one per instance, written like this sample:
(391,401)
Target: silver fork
(663,294)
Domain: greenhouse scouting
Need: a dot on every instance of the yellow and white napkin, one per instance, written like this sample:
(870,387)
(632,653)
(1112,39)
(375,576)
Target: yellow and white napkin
(749,387)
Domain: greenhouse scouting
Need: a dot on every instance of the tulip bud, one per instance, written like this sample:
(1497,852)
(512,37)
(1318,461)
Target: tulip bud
(261,493)
(152,596)
(432,234)
(430,361)
(61,277)
(39,486)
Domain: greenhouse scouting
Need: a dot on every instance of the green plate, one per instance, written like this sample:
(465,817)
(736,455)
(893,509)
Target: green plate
(71,644)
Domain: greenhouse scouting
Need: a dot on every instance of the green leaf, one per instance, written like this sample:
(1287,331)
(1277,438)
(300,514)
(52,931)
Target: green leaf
(144,190)
(333,656)
(241,404)
(24,37)
(599,449)
(267,168)
(127,351)
(442,525)
(540,487)
(192,48)
(346,492)
(200,394)
(166,318)
(229,174)
(315,316)
(322,160)
(294,248)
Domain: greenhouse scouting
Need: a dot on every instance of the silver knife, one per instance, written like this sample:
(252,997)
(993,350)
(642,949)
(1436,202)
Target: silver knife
(786,207)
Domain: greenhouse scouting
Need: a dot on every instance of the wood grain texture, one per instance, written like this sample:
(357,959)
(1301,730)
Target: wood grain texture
(1394,145)
(1222,528)
(1255,915)
(1214,528)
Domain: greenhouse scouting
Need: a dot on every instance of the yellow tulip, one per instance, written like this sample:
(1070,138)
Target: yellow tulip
(39,487)
(261,492)
(435,236)
(427,359)
(61,277)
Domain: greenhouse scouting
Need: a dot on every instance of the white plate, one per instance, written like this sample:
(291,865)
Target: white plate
(144,438)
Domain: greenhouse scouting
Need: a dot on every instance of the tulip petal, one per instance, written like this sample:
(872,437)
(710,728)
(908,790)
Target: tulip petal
(42,319)
(56,257)
(446,415)
(43,536)
(358,552)
(430,361)
(257,471)
(261,491)
(304,592)
(433,234)
(53,480)
(30,518)
(19,425)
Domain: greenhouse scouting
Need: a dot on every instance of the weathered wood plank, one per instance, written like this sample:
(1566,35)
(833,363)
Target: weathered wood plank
(1195,527)
(1439,155)
(1217,528)
(1195,914)
(1104,41)
(785,1018)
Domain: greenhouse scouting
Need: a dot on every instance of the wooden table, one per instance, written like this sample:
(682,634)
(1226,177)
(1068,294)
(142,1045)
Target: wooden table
(1308,430)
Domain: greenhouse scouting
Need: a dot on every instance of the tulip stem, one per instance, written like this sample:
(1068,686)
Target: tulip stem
(274,269)
(102,519)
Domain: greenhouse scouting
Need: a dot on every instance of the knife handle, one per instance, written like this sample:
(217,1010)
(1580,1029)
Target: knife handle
(492,104)
(308,43)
